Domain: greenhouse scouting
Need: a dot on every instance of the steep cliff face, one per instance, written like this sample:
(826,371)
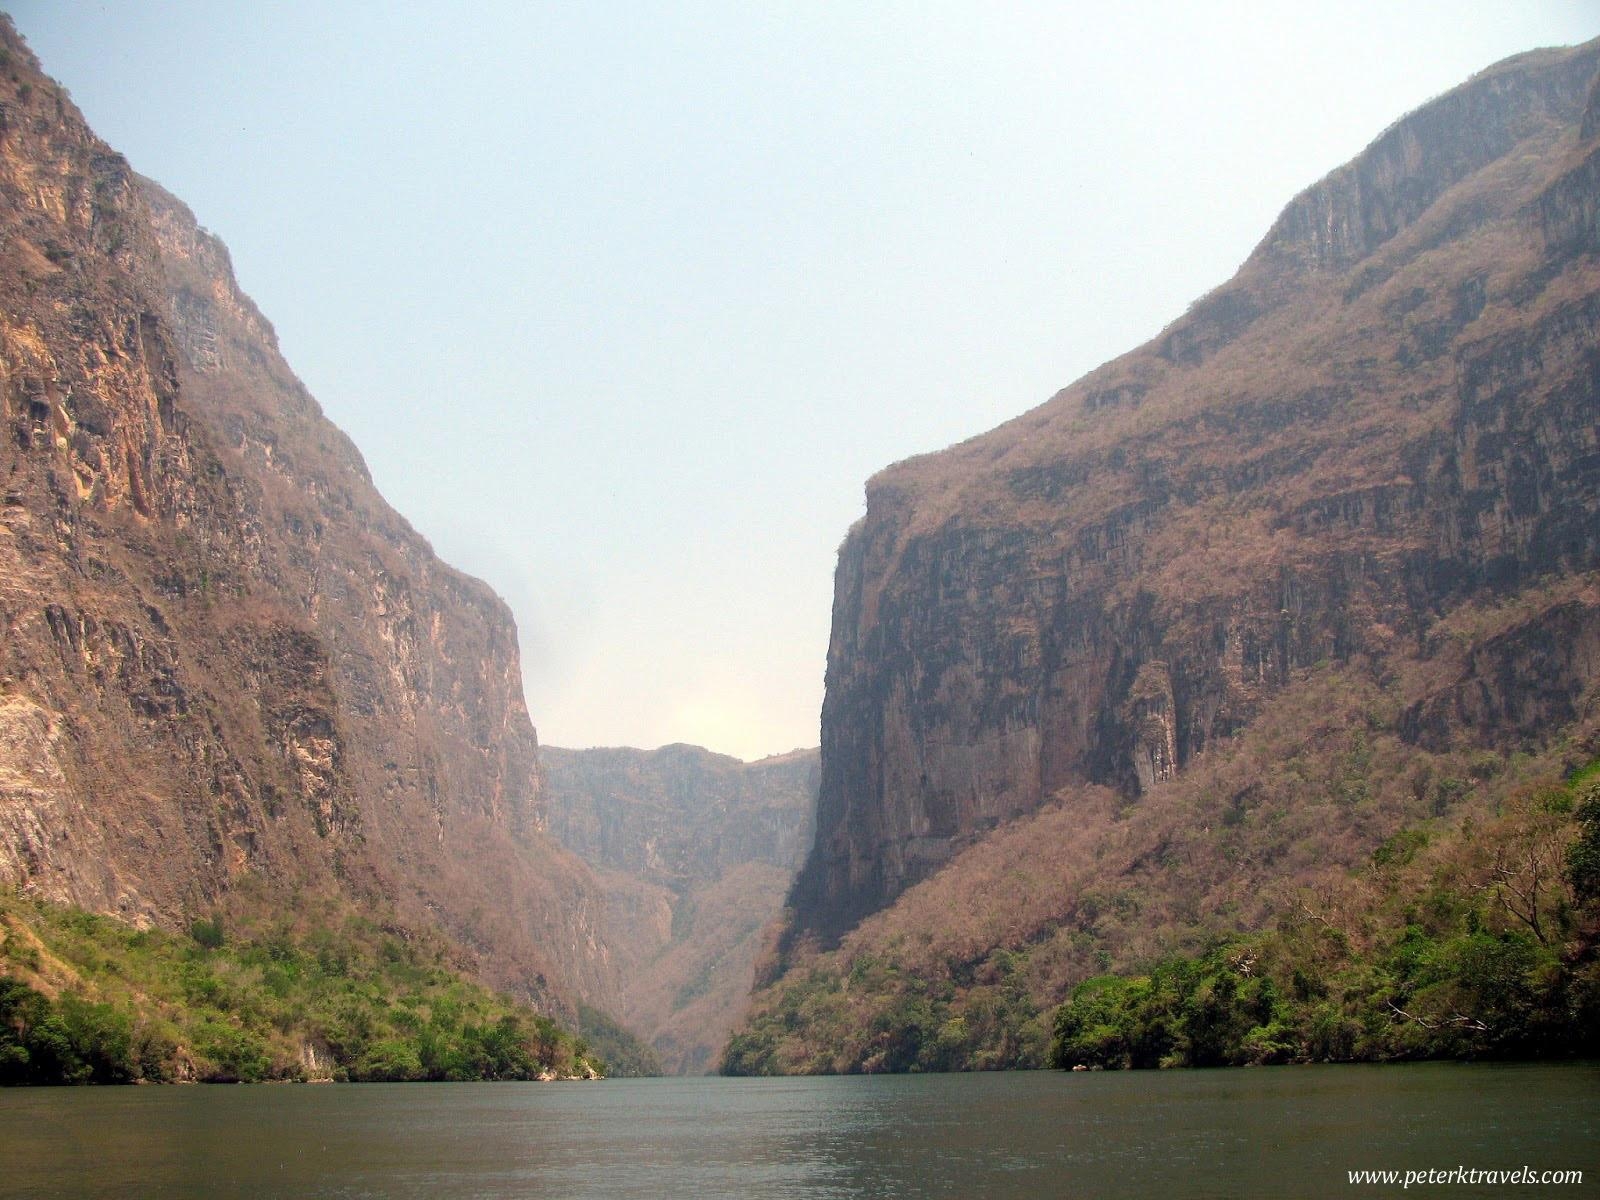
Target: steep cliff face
(227,661)
(695,851)
(1389,412)
(679,815)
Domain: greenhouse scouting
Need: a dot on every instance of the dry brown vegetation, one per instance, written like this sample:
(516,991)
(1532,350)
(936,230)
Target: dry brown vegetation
(1326,546)
(1368,459)
(1280,830)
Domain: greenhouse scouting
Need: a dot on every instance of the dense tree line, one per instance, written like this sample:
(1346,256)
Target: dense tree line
(1497,957)
(1470,931)
(86,999)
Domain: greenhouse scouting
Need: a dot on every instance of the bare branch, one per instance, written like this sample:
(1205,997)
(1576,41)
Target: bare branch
(1400,1012)
(1473,1023)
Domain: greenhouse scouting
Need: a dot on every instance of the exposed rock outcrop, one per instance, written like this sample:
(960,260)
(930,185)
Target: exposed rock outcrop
(1391,410)
(226,660)
(695,851)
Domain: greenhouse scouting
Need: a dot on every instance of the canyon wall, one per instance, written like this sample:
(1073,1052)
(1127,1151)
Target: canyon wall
(1388,414)
(695,852)
(231,673)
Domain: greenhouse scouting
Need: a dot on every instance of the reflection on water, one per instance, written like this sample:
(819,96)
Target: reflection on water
(1273,1132)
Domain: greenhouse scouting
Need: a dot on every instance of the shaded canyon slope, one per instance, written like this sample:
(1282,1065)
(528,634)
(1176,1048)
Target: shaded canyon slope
(231,673)
(1374,451)
(695,852)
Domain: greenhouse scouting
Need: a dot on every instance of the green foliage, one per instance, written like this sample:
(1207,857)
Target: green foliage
(1471,995)
(882,1017)
(1399,850)
(624,1055)
(1216,1010)
(1448,978)
(1583,856)
(751,1052)
(1404,935)
(344,1000)
(207,933)
(68,1041)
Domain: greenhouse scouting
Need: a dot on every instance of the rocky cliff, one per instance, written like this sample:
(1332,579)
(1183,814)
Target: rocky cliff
(695,851)
(1387,418)
(230,670)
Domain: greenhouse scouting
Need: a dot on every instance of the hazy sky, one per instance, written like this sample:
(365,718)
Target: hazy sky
(624,302)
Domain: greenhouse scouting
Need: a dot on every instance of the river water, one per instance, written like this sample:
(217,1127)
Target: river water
(1284,1131)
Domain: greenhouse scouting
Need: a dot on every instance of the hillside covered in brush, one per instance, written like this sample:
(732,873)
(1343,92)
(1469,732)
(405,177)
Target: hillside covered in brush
(1175,656)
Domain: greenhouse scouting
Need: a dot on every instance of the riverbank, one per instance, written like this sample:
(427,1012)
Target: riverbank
(326,995)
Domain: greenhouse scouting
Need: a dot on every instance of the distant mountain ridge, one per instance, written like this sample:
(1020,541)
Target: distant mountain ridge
(695,851)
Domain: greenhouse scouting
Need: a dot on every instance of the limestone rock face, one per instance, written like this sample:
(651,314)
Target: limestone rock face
(679,815)
(229,667)
(1389,412)
(695,851)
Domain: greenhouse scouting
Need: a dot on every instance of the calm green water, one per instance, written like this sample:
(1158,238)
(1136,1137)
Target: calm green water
(1291,1131)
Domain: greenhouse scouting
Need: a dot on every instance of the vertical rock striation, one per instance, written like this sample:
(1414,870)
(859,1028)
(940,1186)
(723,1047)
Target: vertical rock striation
(229,668)
(695,851)
(1390,411)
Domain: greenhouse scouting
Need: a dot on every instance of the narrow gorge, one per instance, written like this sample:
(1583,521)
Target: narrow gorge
(1267,653)
(694,853)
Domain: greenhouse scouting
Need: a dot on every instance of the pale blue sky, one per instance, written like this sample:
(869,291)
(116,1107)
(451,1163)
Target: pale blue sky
(624,302)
